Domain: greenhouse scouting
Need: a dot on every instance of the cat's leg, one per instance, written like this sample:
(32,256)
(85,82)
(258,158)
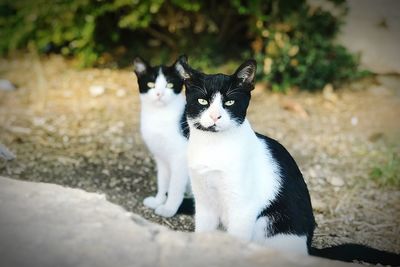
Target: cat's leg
(261,229)
(176,189)
(241,222)
(207,218)
(162,185)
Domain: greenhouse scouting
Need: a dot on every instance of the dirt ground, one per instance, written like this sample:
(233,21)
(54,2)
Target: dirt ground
(64,129)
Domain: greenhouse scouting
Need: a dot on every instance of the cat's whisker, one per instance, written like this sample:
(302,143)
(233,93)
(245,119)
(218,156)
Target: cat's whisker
(234,90)
(201,89)
(234,93)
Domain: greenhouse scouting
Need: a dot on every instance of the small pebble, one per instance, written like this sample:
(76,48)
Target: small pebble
(96,90)
(336,181)
(354,121)
(6,85)
(120,93)
(318,205)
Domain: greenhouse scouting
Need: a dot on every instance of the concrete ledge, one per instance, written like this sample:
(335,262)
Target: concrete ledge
(49,225)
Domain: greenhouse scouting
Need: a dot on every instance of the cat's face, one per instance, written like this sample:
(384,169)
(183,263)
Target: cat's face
(217,102)
(158,85)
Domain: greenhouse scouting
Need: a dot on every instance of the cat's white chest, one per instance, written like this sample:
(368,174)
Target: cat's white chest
(160,128)
(226,154)
(211,155)
(232,169)
(215,165)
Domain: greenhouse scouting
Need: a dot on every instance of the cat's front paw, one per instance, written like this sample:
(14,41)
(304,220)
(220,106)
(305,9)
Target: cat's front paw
(152,202)
(165,211)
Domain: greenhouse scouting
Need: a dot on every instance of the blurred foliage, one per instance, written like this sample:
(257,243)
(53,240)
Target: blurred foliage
(388,173)
(292,42)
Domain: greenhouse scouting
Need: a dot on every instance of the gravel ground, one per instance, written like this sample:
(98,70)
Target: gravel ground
(80,129)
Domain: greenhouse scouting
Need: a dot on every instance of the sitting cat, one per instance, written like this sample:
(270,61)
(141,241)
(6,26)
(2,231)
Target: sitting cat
(164,130)
(244,181)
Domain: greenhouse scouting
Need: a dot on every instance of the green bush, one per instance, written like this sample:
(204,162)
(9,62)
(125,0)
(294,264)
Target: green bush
(292,42)
(294,47)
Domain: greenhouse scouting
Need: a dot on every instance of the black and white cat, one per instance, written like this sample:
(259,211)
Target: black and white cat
(243,181)
(164,130)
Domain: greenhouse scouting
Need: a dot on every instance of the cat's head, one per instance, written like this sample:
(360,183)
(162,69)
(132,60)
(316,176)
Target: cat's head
(158,85)
(217,102)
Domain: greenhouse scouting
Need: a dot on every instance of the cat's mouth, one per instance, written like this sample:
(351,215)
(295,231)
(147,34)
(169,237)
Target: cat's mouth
(160,101)
(213,128)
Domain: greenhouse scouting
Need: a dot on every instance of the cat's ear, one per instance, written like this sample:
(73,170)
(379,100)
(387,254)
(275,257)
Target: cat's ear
(246,72)
(182,68)
(140,66)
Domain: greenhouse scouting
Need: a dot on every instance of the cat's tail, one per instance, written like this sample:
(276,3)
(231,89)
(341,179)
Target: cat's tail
(355,252)
(187,206)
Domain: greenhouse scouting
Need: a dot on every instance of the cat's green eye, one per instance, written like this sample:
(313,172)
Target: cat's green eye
(170,85)
(202,101)
(151,85)
(229,102)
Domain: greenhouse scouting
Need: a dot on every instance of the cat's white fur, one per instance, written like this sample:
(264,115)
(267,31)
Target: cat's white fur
(234,177)
(285,242)
(161,112)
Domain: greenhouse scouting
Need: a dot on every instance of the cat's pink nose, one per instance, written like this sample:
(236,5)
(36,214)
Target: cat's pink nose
(215,117)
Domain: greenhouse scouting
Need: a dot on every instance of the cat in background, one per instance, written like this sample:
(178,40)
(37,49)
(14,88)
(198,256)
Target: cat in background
(245,182)
(164,130)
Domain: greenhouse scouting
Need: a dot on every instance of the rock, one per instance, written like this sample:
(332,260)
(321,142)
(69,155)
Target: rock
(6,85)
(294,107)
(19,130)
(312,173)
(50,225)
(5,153)
(39,121)
(354,120)
(96,90)
(120,93)
(336,181)
(319,205)
(105,172)
(67,161)
(329,94)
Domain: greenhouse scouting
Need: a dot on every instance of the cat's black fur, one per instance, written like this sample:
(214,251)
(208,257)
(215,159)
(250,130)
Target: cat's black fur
(184,125)
(208,85)
(291,211)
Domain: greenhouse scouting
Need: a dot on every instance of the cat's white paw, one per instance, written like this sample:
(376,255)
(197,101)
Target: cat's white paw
(165,211)
(152,202)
